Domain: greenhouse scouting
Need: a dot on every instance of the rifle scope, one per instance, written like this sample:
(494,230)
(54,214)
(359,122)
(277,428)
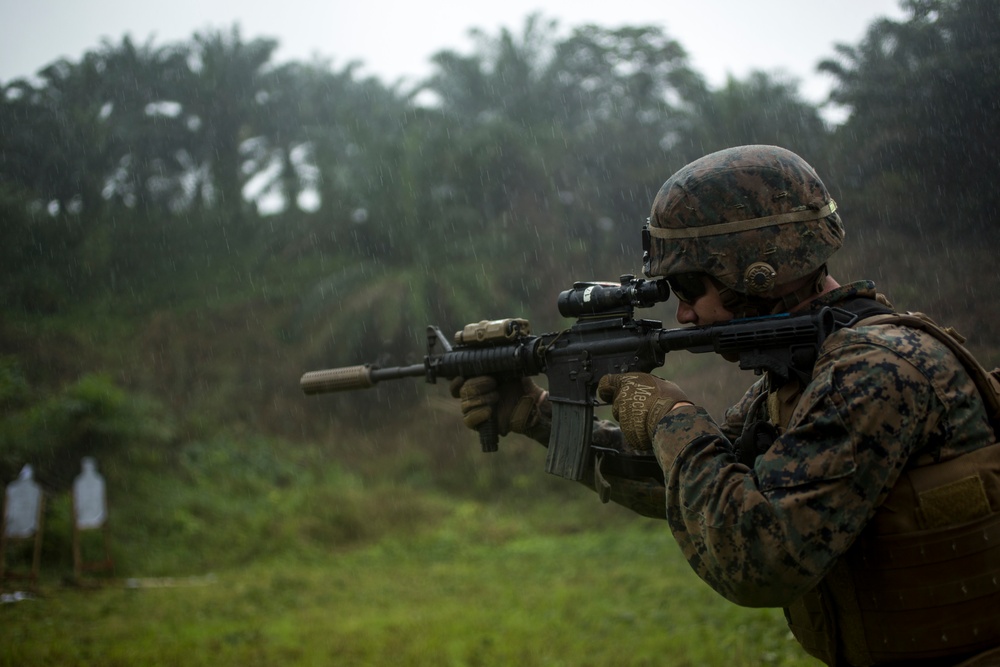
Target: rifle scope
(606,298)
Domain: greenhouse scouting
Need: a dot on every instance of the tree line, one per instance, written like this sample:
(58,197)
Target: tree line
(536,149)
(185,228)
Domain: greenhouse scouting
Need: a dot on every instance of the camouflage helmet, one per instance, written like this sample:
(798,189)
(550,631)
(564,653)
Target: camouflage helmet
(752,217)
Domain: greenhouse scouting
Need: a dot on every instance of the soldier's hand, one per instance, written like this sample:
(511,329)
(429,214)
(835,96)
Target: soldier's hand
(516,403)
(638,402)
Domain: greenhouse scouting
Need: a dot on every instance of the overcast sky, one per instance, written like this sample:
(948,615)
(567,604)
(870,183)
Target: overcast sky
(395,39)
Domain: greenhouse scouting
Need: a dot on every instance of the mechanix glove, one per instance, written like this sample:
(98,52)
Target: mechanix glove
(638,402)
(516,403)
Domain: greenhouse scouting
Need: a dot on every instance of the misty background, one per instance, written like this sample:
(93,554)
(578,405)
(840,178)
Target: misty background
(395,41)
(189,224)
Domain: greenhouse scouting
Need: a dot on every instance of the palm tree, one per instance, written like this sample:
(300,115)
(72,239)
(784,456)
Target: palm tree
(923,124)
(226,96)
(416,249)
(761,109)
(598,110)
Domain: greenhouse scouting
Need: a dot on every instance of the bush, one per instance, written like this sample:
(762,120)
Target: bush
(90,417)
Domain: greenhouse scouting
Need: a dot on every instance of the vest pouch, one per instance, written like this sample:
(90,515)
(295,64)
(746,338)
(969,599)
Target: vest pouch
(931,554)
(929,594)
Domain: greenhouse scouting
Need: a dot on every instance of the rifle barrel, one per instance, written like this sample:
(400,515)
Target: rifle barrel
(348,378)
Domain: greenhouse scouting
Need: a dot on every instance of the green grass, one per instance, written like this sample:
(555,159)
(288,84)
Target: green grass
(382,546)
(395,544)
(485,587)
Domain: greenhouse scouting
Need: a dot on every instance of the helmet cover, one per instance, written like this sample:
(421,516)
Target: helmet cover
(752,217)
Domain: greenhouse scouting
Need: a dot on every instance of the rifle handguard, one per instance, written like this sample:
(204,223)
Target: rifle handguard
(337,379)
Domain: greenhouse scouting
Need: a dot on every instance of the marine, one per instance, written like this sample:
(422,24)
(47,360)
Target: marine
(864,500)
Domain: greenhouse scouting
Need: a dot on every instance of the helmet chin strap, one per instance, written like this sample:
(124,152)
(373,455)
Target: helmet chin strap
(742,305)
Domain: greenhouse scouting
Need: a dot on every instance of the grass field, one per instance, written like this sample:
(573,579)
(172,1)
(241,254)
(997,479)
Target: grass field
(483,587)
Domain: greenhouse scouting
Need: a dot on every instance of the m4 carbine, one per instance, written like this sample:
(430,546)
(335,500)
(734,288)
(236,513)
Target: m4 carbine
(605,339)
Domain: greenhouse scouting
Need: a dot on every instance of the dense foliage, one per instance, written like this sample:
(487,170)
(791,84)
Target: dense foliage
(194,225)
(924,132)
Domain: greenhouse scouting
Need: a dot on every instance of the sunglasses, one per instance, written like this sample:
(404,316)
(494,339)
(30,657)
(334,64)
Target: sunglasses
(687,287)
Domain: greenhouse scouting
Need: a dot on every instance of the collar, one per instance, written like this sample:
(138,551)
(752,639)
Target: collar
(859,288)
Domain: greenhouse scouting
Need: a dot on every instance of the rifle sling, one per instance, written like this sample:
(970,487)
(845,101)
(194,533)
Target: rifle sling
(631,466)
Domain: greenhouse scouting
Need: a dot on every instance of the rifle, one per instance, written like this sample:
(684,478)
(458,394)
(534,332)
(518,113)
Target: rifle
(606,338)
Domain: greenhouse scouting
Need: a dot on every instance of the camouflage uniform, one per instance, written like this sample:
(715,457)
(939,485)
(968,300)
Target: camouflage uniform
(871,517)
(882,399)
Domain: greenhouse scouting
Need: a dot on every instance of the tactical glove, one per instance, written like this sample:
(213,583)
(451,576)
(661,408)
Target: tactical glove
(516,403)
(638,402)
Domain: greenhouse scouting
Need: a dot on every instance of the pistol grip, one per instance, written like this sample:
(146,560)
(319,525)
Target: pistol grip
(488,437)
